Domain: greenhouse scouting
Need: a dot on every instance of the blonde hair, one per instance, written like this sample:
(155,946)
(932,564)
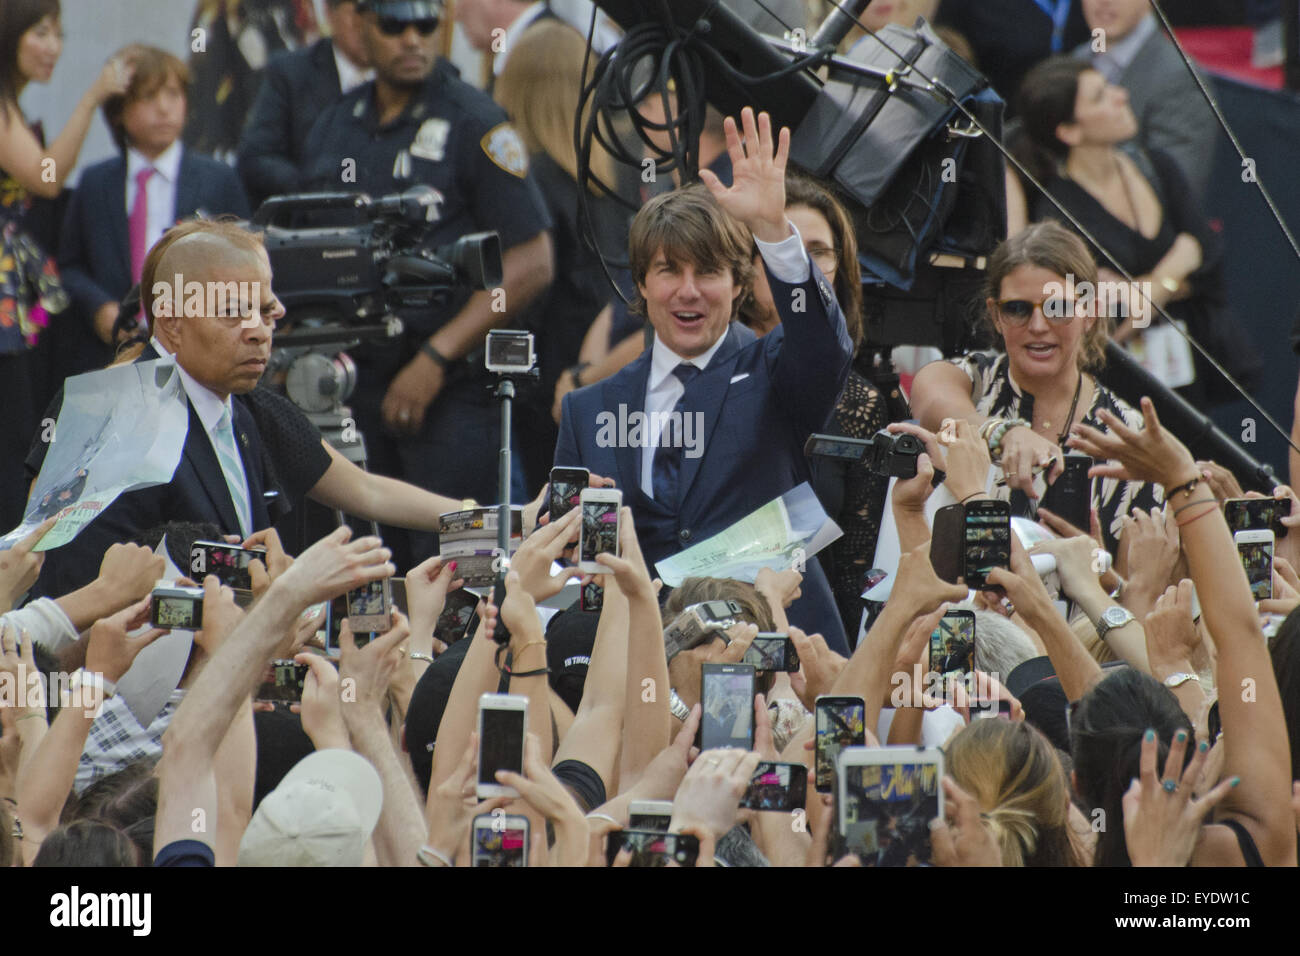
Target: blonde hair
(1014,774)
(1049,245)
(539,89)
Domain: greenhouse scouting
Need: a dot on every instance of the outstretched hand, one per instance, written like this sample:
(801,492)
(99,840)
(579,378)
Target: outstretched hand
(756,196)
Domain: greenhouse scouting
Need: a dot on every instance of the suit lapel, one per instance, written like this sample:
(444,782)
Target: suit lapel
(627,391)
(250,453)
(203,459)
(707,395)
(187,187)
(115,216)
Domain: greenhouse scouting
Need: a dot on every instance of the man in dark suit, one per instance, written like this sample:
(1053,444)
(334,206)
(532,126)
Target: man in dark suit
(1132,51)
(221,355)
(295,89)
(111,220)
(746,405)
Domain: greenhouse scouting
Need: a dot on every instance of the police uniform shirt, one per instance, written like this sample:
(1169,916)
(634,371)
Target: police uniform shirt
(452,137)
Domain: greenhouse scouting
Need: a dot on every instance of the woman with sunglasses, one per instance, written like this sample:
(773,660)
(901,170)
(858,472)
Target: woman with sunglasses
(1026,398)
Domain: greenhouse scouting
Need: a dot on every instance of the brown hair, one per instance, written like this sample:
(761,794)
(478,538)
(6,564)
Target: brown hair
(153,68)
(1015,775)
(802,191)
(16,18)
(753,608)
(1049,245)
(688,225)
(539,90)
(1047,99)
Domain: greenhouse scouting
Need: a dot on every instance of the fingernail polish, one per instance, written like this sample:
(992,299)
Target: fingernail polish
(1203,747)
(1149,736)
(1180,736)
(1235,781)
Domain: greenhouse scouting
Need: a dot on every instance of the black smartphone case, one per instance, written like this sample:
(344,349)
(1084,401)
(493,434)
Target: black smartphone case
(948,543)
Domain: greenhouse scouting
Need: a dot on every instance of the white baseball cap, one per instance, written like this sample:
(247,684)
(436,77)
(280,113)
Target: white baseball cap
(321,814)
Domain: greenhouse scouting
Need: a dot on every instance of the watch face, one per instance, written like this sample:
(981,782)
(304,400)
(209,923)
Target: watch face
(1115,616)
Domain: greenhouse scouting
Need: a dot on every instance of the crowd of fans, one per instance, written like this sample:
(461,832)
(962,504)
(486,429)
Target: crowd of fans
(1151,698)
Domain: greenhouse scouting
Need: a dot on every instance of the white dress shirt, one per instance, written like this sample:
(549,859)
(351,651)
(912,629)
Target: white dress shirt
(160,190)
(788,261)
(350,77)
(210,407)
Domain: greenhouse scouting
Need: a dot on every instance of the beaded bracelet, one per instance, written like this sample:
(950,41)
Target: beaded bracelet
(996,436)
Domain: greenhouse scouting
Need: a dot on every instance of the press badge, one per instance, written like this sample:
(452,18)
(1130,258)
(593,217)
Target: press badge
(431,141)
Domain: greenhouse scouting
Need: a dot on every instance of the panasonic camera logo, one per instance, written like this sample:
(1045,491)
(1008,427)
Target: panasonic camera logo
(339,254)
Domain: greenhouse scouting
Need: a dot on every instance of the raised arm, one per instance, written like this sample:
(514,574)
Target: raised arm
(1254,728)
(44,172)
(401,829)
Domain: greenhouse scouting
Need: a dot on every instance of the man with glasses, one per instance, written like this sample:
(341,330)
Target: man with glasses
(423,403)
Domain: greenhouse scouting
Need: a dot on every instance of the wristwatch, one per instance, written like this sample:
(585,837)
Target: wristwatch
(1181,678)
(676,706)
(1112,617)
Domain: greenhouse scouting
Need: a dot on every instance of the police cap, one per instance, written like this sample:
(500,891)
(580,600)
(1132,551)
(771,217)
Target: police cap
(403,10)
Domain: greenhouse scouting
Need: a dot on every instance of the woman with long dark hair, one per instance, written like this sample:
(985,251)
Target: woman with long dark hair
(31,41)
(1077,140)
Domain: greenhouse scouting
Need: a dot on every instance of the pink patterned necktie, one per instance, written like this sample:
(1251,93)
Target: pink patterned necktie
(138,224)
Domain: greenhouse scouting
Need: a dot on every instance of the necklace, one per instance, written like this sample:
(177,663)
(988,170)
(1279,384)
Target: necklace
(1069,418)
(1128,196)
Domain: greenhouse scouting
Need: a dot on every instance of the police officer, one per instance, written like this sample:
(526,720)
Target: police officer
(425,405)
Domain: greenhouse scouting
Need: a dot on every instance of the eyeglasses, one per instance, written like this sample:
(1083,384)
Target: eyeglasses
(825,257)
(1019,311)
(395,27)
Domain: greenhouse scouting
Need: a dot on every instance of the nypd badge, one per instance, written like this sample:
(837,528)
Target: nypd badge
(431,141)
(504,147)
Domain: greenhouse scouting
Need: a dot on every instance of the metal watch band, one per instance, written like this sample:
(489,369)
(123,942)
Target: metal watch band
(677,706)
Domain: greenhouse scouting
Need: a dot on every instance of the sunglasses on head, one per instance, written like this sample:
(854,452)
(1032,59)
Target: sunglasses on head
(395,27)
(1019,311)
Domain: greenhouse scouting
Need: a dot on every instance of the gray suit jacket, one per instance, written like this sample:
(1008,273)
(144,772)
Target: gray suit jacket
(1172,114)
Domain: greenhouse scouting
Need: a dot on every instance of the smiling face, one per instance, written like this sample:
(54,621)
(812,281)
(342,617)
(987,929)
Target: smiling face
(689,306)
(1102,115)
(1041,349)
(39,50)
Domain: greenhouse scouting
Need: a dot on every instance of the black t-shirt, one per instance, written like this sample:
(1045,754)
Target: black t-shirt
(295,458)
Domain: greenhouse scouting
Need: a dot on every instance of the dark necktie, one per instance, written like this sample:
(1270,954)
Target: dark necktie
(668,456)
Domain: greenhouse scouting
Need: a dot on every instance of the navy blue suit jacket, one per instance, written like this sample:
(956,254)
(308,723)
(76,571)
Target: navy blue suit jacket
(197,492)
(95,245)
(296,87)
(761,398)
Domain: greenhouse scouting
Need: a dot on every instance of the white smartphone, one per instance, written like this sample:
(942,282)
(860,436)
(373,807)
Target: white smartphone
(1255,549)
(650,815)
(500,840)
(887,798)
(502,723)
(599,527)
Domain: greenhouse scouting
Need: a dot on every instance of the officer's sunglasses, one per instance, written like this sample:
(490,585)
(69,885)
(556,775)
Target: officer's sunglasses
(395,27)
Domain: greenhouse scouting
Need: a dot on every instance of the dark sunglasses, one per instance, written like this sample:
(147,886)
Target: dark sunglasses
(1020,311)
(395,27)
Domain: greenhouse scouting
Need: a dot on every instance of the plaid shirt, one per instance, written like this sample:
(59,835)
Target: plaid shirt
(117,739)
